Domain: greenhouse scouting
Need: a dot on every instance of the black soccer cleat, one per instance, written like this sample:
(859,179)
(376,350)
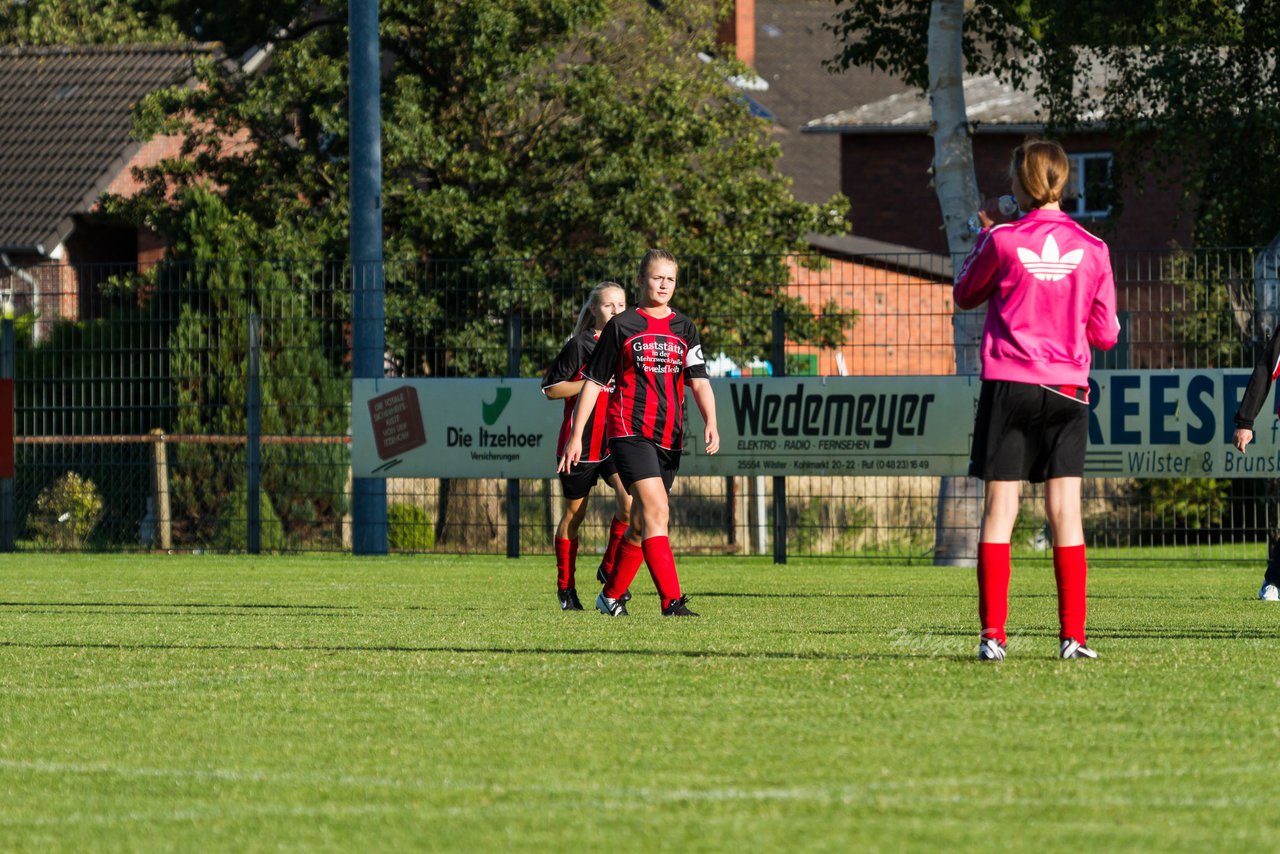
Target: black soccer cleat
(569,599)
(678,608)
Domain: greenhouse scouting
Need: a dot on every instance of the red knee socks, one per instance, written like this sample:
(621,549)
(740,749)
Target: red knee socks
(993,589)
(1071,572)
(616,530)
(662,566)
(625,567)
(566,558)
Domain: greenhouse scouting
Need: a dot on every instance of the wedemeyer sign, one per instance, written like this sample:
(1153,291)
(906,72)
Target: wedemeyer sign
(1141,424)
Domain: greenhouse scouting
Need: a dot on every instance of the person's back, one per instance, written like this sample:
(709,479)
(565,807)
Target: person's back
(1049,292)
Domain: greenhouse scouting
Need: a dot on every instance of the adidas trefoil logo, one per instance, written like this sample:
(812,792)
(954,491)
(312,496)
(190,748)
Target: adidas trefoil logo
(1049,266)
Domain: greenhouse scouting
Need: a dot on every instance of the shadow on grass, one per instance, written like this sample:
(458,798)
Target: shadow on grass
(480,650)
(173,605)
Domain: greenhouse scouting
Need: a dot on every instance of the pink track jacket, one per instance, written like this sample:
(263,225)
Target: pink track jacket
(1050,295)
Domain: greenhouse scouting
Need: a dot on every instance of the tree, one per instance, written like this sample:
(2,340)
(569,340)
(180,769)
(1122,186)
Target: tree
(1194,85)
(205,299)
(959,498)
(238,25)
(41,23)
(518,129)
(533,131)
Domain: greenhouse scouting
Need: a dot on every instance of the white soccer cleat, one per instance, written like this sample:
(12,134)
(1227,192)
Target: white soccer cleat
(610,607)
(990,649)
(1269,593)
(1072,648)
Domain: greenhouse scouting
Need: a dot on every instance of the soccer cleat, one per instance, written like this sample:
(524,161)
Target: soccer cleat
(1072,648)
(569,599)
(611,607)
(990,649)
(603,578)
(1269,593)
(678,608)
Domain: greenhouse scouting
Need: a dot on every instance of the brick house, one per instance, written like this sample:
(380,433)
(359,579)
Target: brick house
(65,140)
(900,293)
(886,152)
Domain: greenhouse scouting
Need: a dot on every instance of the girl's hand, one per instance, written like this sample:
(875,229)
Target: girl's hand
(712,439)
(1242,438)
(572,453)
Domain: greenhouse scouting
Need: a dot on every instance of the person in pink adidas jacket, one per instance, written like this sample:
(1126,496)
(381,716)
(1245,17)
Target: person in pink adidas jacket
(1050,296)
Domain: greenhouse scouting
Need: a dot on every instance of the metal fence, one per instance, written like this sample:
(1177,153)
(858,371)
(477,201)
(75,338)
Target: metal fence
(149,404)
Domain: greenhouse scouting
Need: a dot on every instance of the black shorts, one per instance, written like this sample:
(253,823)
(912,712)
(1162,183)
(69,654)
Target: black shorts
(639,458)
(1029,432)
(577,483)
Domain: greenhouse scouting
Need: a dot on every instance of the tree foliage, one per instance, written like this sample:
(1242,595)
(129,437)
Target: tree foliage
(1192,84)
(514,129)
(303,386)
(41,23)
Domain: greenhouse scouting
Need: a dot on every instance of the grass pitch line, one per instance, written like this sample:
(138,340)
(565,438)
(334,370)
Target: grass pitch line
(212,814)
(846,794)
(232,775)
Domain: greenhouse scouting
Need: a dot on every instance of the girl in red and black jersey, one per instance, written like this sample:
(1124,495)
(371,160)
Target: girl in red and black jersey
(649,354)
(563,382)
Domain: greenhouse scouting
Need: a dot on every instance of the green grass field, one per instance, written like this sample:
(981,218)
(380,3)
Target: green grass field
(431,703)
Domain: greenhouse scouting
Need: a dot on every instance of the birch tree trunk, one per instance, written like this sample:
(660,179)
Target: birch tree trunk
(959,498)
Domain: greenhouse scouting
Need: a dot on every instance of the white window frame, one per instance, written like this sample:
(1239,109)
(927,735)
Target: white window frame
(1075,206)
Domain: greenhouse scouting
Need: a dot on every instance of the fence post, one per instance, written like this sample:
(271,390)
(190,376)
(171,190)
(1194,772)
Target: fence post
(514,346)
(779,359)
(253,440)
(8,525)
(160,488)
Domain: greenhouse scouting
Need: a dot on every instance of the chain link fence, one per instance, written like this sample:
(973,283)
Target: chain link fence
(150,403)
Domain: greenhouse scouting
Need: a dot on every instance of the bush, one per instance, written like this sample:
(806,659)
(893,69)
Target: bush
(233,525)
(1185,508)
(409,529)
(66,512)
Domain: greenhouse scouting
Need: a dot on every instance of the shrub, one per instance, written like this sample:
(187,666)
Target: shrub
(409,529)
(1182,507)
(233,525)
(66,512)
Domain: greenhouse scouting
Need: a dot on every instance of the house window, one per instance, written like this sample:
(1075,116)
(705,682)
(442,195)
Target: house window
(1088,192)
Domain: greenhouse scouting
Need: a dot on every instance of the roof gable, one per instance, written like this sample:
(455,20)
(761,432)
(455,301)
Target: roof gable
(65,119)
(989,102)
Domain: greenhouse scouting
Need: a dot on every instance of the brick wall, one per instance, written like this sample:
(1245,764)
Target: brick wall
(887,179)
(151,153)
(904,324)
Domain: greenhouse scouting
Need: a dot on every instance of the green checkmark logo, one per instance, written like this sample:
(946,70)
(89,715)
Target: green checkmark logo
(491,411)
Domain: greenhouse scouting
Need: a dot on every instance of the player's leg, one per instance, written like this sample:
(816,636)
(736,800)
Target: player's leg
(635,460)
(576,485)
(1066,434)
(617,525)
(1070,570)
(657,542)
(631,551)
(999,513)
(1270,590)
